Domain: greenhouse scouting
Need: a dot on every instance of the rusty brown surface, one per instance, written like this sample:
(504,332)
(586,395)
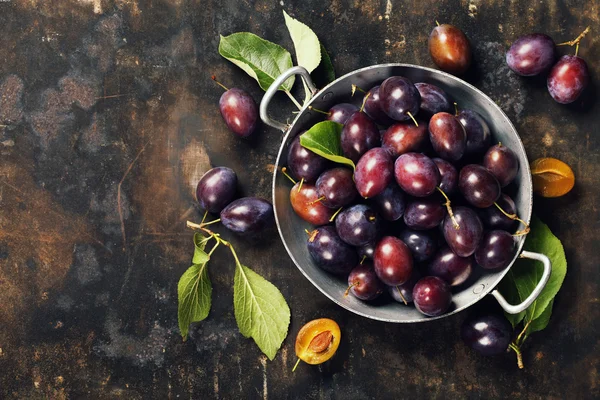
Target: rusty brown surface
(109,117)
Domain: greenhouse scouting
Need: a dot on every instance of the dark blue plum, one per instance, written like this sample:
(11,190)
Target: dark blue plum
(248,216)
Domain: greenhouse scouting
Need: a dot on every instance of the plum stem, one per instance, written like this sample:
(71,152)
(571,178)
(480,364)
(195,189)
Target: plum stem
(363,259)
(519,355)
(296,365)
(335,214)
(437,23)
(401,296)
(362,107)
(317,200)
(577,49)
(300,186)
(456,109)
(313,235)
(355,88)
(514,217)
(577,39)
(347,292)
(449,208)
(204,217)
(293,99)
(413,118)
(214,78)
(284,172)
(319,111)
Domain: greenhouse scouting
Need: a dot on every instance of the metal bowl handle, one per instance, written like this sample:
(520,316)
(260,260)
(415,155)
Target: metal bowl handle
(517,308)
(264,104)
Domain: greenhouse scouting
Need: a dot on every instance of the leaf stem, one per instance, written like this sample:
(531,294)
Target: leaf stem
(293,99)
(296,365)
(518,341)
(449,208)
(517,351)
(514,217)
(217,243)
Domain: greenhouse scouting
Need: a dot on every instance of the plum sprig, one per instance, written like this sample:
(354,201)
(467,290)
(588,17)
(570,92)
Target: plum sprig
(265,318)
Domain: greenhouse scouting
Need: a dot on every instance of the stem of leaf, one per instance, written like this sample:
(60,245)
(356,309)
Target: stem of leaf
(293,100)
(523,335)
(217,243)
(519,355)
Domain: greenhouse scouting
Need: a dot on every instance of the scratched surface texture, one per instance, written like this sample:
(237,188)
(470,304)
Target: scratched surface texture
(109,118)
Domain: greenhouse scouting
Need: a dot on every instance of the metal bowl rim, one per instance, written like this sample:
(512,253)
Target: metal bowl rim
(514,132)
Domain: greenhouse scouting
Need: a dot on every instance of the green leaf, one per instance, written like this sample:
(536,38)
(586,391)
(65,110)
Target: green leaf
(324,139)
(261,59)
(194,294)
(325,73)
(306,46)
(509,290)
(527,273)
(200,256)
(542,321)
(306,43)
(260,310)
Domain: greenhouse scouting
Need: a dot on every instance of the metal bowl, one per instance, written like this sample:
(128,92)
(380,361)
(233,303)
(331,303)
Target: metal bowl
(292,228)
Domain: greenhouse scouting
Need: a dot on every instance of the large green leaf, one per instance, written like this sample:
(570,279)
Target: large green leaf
(261,59)
(260,310)
(306,46)
(194,293)
(324,138)
(527,273)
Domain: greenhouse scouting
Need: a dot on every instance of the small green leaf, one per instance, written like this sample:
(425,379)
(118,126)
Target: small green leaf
(194,293)
(527,273)
(261,59)
(260,310)
(324,138)
(200,256)
(325,72)
(509,290)
(542,321)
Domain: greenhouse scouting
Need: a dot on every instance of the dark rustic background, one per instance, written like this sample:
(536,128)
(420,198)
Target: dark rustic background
(107,100)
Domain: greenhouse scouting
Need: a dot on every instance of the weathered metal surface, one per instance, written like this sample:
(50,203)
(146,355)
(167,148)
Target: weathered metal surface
(110,119)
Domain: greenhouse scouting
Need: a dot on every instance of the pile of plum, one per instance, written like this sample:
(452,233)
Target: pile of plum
(424,205)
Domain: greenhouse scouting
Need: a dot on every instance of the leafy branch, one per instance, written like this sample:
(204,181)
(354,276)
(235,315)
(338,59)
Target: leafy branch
(522,278)
(260,309)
